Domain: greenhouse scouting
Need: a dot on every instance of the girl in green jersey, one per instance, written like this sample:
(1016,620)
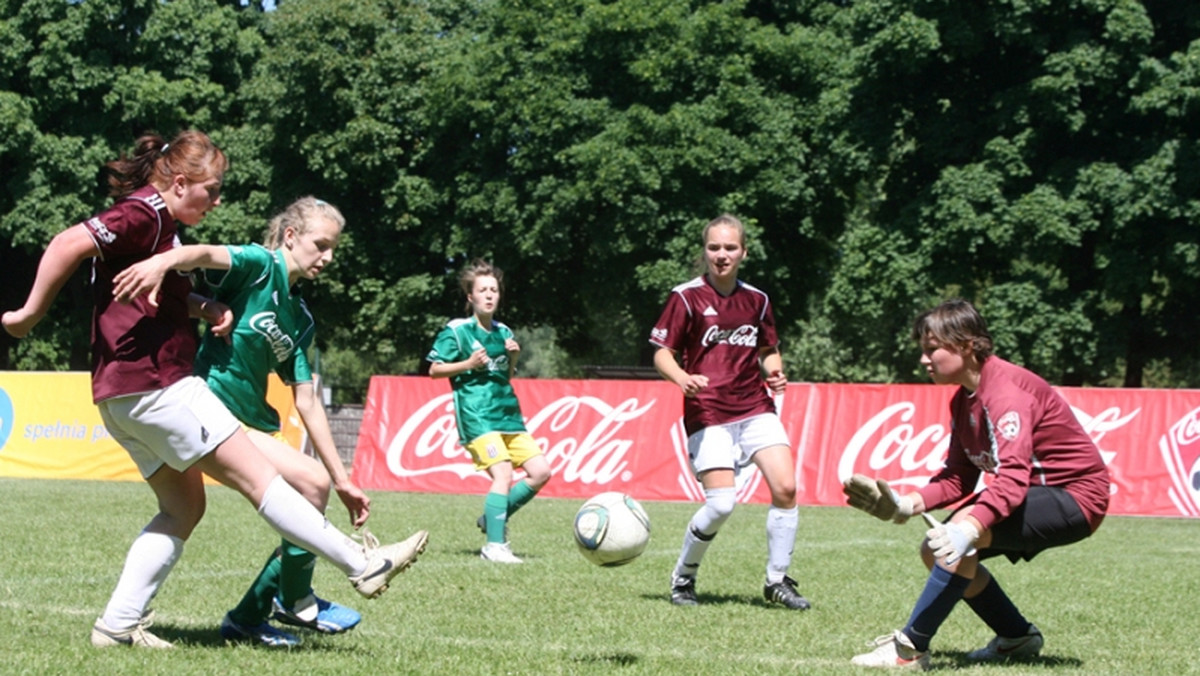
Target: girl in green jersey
(272,334)
(479,356)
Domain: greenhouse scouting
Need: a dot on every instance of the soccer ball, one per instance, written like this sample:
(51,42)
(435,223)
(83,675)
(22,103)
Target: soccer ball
(611,529)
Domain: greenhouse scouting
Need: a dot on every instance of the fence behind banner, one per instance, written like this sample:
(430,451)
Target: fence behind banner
(628,436)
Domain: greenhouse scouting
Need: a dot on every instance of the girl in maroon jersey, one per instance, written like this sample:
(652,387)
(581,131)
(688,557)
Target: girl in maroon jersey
(171,424)
(723,331)
(1047,487)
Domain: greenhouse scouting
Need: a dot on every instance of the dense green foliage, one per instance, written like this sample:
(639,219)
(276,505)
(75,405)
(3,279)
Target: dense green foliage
(1038,157)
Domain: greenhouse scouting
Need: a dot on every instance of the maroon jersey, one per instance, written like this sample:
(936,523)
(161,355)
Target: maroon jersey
(719,337)
(137,347)
(1018,429)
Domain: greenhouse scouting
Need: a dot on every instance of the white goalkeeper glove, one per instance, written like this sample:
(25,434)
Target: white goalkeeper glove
(876,498)
(951,541)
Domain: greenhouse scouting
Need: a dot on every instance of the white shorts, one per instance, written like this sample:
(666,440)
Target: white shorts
(733,445)
(174,426)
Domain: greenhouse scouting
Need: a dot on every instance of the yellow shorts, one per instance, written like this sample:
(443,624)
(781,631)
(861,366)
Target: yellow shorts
(277,435)
(495,447)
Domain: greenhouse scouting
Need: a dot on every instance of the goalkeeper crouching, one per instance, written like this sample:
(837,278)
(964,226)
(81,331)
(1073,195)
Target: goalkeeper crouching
(1047,487)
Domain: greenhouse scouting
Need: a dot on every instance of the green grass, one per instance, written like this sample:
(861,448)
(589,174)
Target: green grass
(1119,603)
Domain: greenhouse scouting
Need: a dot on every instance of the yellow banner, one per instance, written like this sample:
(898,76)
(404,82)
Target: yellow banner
(50,429)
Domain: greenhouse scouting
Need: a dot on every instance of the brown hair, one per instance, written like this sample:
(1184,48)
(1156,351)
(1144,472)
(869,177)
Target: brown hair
(154,161)
(479,268)
(298,216)
(725,219)
(955,323)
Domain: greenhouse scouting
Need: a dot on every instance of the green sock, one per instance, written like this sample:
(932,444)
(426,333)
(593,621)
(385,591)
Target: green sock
(295,574)
(495,510)
(255,606)
(519,496)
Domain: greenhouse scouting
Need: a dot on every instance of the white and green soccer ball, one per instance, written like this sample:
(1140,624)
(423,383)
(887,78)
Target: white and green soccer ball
(611,529)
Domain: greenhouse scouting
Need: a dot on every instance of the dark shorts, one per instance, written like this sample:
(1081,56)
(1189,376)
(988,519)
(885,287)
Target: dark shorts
(1049,517)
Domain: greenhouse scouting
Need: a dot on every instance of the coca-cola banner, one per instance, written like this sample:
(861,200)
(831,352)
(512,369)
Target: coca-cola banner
(602,435)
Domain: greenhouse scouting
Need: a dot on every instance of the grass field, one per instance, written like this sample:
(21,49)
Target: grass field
(1119,603)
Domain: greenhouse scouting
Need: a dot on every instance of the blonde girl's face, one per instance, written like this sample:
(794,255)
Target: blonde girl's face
(723,252)
(484,296)
(313,250)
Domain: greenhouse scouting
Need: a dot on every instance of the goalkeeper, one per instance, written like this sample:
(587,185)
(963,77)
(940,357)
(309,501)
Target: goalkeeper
(1046,486)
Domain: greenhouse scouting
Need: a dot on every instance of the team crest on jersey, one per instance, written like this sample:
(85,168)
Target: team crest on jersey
(658,334)
(1009,425)
(102,232)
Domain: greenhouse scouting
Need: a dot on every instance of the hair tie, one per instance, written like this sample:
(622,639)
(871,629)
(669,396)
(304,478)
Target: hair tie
(163,150)
(320,203)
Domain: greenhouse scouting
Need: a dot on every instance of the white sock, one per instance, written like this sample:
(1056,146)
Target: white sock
(703,527)
(150,559)
(781,540)
(297,520)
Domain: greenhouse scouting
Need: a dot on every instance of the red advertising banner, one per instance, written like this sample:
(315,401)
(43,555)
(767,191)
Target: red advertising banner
(627,436)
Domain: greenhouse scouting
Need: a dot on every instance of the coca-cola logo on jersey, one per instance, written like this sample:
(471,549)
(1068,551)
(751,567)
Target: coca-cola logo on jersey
(745,335)
(584,438)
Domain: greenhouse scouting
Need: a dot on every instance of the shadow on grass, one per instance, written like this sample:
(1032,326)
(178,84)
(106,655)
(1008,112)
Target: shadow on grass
(610,659)
(716,599)
(211,638)
(958,659)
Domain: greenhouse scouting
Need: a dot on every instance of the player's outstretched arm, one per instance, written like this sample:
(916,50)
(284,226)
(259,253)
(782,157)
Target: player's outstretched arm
(876,498)
(63,255)
(146,277)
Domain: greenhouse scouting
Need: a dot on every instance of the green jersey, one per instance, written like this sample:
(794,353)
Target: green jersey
(484,400)
(273,329)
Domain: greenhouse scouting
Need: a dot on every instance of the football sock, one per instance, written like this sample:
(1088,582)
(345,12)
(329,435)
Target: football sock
(994,607)
(519,496)
(781,540)
(718,505)
(255,606)
(295,573)
(495,512)
(942,590)
(297,520)
(150,559)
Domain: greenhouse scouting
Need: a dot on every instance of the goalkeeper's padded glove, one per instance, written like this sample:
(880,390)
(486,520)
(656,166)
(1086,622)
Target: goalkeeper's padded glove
(876,498)
(951,541)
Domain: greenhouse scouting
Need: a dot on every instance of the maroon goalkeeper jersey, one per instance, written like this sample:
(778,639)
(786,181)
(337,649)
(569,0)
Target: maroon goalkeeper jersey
(137,347)
(1017,429)
(719,337)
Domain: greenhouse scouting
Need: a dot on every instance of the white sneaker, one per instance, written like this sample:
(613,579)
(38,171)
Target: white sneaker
(1001,648)
(137,636)
(893,651)
(384,563)
(499,552)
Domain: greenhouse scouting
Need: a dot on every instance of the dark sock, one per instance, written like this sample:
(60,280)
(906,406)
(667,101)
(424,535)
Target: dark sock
(994,607)
(942,590)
